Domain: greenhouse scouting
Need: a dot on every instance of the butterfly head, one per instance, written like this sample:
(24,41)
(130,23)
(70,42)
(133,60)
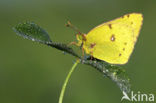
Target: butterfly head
(81,38)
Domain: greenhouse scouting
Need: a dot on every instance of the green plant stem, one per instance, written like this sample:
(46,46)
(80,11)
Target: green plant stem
(66,81)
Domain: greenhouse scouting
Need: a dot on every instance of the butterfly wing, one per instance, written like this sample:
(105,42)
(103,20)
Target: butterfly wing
(114,41)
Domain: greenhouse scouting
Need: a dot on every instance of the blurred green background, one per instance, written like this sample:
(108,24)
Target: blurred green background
(34,73)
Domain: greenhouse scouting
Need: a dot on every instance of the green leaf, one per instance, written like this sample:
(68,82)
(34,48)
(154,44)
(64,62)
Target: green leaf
(33,32)
(114,72)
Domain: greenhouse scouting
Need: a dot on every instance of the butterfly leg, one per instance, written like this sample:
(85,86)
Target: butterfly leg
(73,43)
(82,52)
(91,55)
(92,45)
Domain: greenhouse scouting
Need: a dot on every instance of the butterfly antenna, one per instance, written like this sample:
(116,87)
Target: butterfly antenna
(73,27)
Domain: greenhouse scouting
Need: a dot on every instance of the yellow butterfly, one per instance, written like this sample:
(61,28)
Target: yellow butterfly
(112,41)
